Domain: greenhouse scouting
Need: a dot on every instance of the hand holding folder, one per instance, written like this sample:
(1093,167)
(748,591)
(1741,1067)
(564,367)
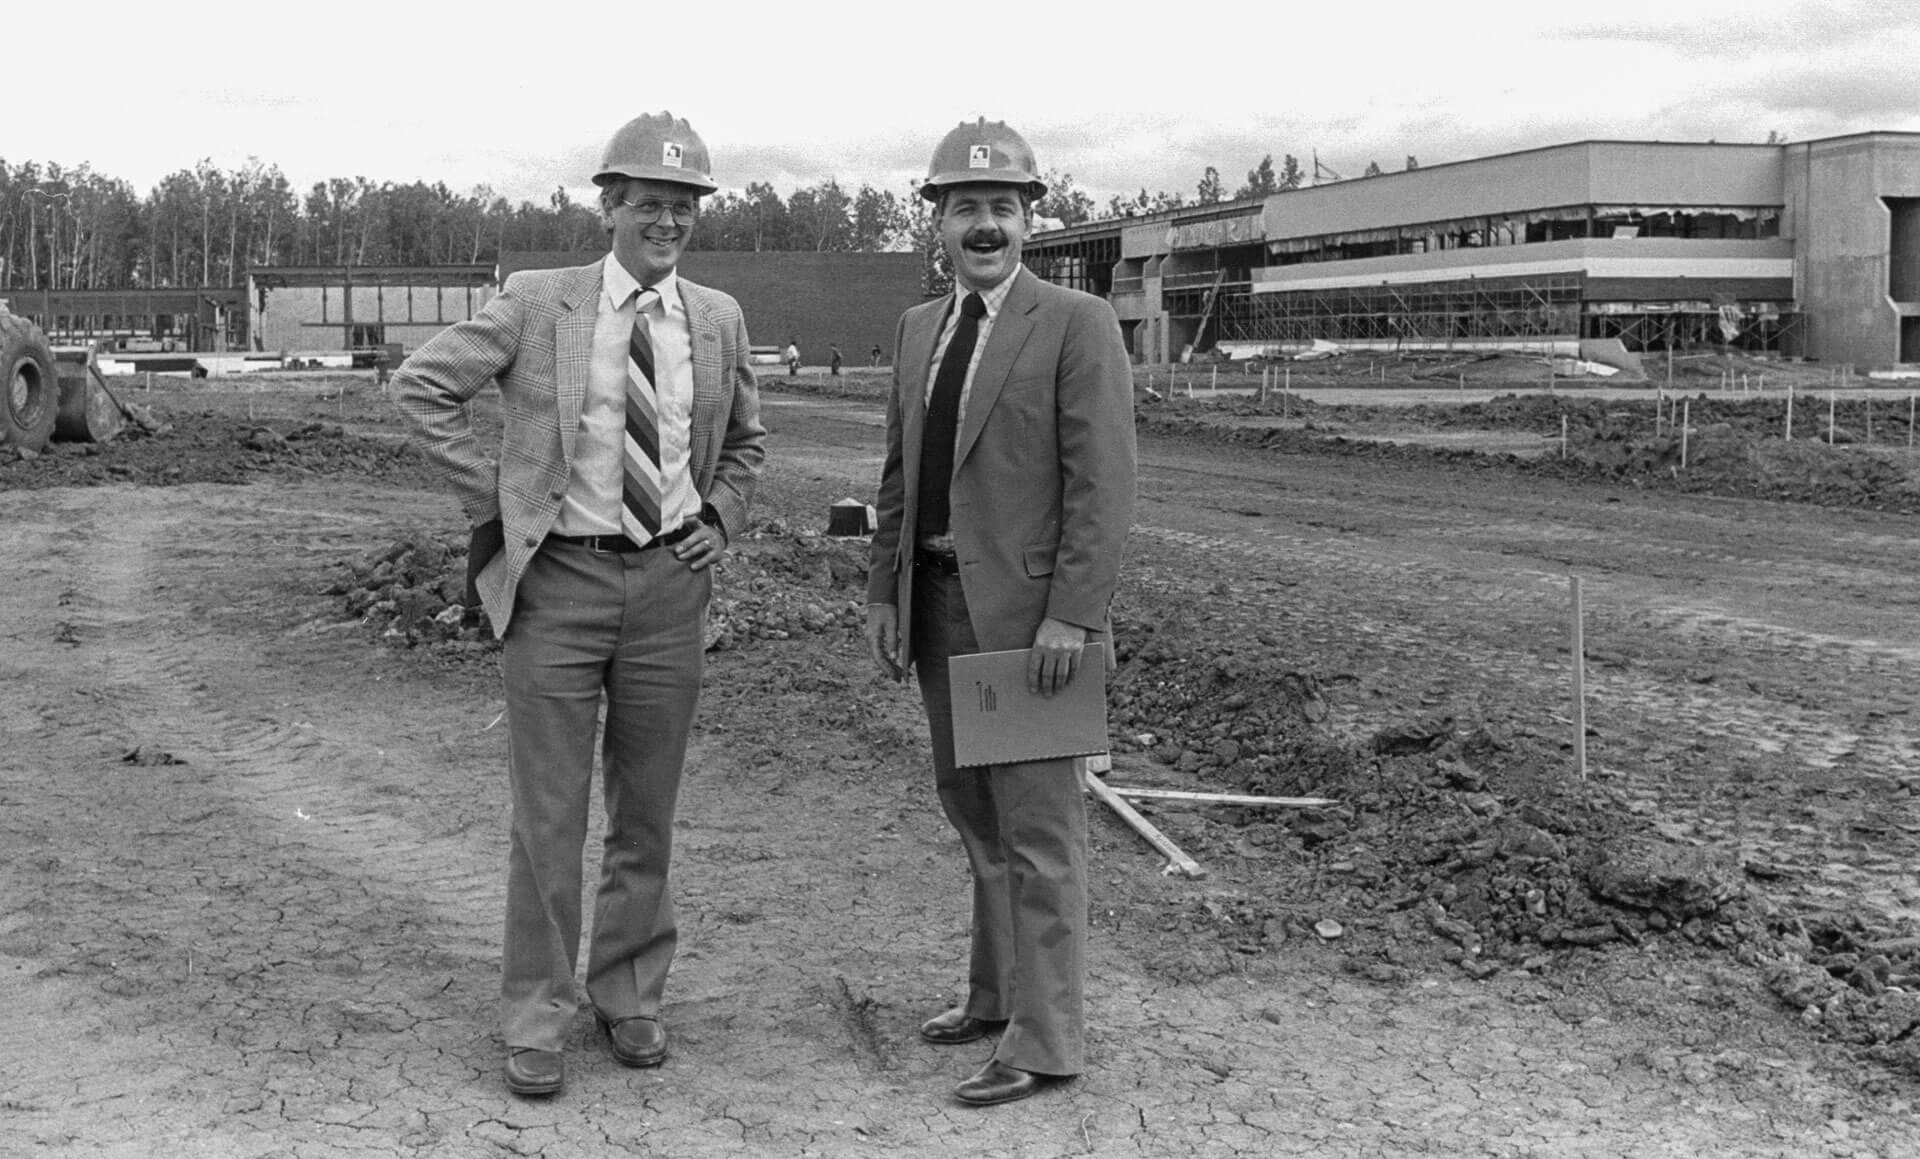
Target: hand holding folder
(996,721)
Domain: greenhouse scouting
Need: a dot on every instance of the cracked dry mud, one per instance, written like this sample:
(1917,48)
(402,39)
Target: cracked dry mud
(250,851)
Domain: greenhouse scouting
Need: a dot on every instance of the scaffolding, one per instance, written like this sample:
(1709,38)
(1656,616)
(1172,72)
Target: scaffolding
(1427,314)
(1695,324)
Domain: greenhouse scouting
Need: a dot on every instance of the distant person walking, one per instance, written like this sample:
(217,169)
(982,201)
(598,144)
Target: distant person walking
(793,359)
(833,359)
(631,447)
(877,355)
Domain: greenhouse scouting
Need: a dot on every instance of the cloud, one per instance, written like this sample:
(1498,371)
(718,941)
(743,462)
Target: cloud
(1704,36)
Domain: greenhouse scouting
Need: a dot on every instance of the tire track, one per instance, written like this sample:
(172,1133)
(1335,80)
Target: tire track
(151,669)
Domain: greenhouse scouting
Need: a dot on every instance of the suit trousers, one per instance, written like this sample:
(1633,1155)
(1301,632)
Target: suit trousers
(586,625)
(1024,827)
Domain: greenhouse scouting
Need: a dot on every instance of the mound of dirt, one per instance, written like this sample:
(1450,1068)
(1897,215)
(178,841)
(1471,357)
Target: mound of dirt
(207,447)
(774,585)
(1732,446)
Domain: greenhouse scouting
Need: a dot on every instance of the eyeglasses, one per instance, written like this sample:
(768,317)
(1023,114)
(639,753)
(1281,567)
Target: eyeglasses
(652,209)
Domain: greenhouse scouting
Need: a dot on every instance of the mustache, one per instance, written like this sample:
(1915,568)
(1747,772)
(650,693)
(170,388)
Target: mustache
(984,237)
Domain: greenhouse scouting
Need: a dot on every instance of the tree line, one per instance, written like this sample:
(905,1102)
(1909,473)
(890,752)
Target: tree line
(75,228)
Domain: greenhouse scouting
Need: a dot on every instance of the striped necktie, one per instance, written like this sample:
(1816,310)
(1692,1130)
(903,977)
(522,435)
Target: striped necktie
(640,487)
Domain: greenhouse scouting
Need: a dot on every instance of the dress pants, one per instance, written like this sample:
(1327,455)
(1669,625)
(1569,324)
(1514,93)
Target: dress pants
(1024,827)
(629,626)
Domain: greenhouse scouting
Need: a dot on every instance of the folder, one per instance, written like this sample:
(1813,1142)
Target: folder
(996,721)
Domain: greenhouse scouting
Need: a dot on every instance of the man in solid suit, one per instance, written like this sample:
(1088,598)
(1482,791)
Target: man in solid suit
(631,447)
(1004,507)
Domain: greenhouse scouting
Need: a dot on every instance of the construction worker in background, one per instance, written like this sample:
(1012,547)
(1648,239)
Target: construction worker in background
(596,524)
(833,358)
(1003,513)
(793,359)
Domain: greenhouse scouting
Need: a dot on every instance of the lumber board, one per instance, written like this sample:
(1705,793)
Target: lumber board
(1177,861)
(1142,794)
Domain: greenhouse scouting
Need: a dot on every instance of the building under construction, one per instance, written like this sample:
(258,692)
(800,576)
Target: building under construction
(1810,249)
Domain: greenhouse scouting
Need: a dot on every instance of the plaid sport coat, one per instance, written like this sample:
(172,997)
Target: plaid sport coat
(535,339)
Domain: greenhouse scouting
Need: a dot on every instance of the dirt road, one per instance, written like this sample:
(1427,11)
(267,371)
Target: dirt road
(252,856)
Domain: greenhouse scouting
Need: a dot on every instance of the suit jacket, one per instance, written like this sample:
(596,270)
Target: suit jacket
(535,338)
(1043,477)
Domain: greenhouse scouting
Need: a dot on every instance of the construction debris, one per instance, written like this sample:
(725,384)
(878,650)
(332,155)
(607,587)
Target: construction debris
(1177,861)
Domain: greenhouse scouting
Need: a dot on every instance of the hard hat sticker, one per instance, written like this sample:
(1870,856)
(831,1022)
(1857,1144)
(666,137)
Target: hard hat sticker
(670,154)
(979,157)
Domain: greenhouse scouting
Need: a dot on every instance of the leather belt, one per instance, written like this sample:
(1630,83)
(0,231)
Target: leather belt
(617,543)
(942,562)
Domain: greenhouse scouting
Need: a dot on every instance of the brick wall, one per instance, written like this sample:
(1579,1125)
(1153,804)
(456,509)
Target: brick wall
(850,300)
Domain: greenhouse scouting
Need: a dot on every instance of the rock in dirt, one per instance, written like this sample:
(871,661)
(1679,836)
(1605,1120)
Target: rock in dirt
(1645,873)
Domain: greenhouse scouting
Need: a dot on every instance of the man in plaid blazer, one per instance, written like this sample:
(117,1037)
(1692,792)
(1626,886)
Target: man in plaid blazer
(631,447)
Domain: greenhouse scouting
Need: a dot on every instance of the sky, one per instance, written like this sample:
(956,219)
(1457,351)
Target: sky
(521,98)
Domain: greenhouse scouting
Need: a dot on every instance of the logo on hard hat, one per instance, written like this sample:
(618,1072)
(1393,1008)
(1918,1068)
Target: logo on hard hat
(980,157)
(670,154)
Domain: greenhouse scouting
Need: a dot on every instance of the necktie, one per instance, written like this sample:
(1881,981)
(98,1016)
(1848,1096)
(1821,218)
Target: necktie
(943,418)
(640,484)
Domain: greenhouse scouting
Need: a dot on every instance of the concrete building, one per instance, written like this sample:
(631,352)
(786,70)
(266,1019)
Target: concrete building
(318,309)
(1810,249)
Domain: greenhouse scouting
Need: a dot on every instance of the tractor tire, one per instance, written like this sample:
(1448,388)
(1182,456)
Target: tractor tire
(29,386)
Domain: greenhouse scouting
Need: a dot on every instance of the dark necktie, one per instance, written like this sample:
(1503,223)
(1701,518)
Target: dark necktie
(640,483)
(943,418)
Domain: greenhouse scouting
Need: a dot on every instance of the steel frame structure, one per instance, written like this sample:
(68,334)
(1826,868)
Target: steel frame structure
(1505,308)
(1082,263)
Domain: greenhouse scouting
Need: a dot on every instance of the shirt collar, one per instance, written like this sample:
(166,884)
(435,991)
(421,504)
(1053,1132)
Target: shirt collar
(619,285)
(992,298)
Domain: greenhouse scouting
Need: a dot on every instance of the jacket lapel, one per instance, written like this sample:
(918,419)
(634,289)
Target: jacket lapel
(573,349)
(1009,334)
(703,331)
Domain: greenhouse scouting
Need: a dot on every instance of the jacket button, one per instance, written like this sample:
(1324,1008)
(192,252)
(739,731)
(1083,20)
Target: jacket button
(532,542)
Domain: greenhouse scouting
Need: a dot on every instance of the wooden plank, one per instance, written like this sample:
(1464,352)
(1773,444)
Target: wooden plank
(1223,798)
(1177,861)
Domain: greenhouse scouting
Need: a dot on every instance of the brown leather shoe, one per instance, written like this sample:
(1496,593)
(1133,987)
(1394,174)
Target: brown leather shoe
(997,1082)
(637,1041)
(957,1026)
(533,1073)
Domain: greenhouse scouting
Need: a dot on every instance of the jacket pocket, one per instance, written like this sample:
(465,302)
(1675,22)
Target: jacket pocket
(1039,558)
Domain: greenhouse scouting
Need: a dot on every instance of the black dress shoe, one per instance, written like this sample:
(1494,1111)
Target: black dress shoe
(957,1026)
(997,1082)
(535,1072)
(637,1041)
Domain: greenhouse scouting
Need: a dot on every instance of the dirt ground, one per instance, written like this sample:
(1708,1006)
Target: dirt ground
(252,803)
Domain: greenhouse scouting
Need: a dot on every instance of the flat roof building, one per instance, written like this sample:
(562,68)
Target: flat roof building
(341,308)
(1809,249)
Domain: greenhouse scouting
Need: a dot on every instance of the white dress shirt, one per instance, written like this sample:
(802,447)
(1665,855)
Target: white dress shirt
(592,503)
